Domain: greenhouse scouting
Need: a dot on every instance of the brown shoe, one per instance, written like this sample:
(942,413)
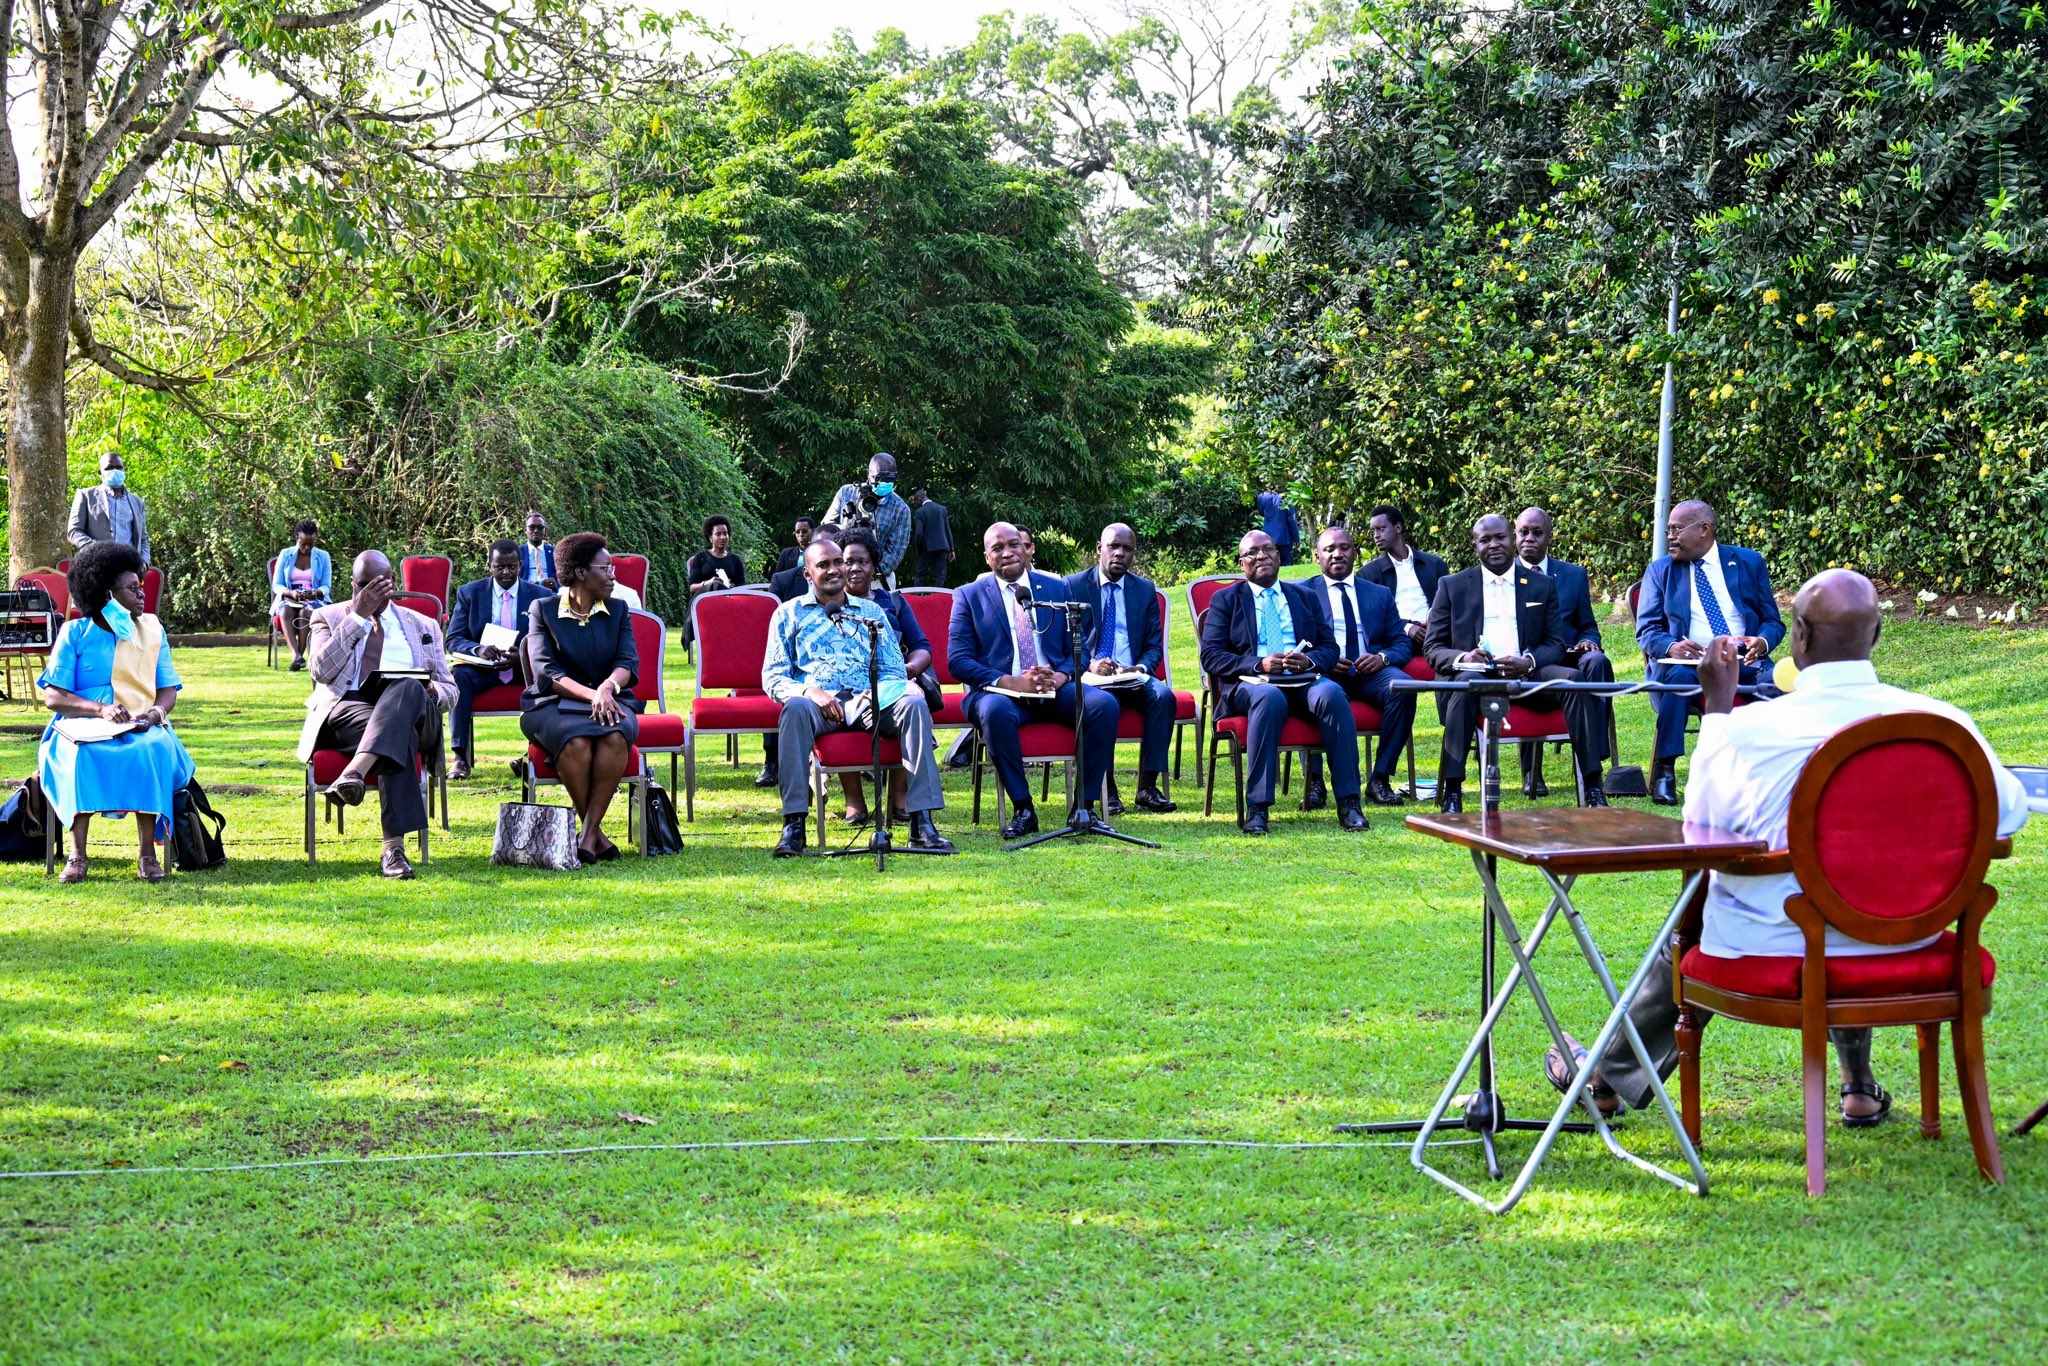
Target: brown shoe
(395,864)
(458,771)
(73,870)
(148,869)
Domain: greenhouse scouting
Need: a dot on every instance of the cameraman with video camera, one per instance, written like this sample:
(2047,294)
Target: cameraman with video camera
(877,505)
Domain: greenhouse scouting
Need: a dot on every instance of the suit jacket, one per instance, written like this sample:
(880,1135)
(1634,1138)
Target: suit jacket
(792,557)
(1230,631)
(472,612)
(1457,615)
(1379,621)
(1277,519)
(789,584)
(978,637)
(529,554)
(1575,601)
(334,652)
(90,520)
(1430,570)
(1146,628)
(1664,613)
(934,529)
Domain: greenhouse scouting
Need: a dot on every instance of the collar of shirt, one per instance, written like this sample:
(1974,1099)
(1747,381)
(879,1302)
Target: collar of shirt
(1543,568)
(1494,580)
(1837,673)
(600,608)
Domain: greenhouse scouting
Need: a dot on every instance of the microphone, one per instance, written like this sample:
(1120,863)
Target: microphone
(833,609)
(1022,592)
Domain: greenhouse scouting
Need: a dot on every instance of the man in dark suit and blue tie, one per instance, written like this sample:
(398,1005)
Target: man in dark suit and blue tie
(500,600)
(1125,633)
(1008,632)
(1371,648)
(1700,590)
(1262,626)
(1585,658)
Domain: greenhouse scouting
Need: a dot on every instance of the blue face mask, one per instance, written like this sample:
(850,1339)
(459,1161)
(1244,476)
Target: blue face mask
(118,620)
(114,479)
(883,490)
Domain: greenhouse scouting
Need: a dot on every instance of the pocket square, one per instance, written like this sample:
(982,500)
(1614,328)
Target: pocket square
(1532,604)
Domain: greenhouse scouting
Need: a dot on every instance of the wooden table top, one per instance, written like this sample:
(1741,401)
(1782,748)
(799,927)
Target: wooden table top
(1570,839)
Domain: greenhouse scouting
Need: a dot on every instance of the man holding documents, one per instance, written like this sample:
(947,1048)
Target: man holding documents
(1372,647)
(380,684)
(1008,643)
(485,631)
(1500,618)
(1126,639)
(1269,644)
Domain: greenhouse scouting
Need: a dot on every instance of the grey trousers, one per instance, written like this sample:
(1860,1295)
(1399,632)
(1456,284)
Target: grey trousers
(1655,1014)
(908,722)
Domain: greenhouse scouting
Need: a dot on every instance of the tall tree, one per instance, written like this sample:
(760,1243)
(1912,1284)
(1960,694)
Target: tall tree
(351,120)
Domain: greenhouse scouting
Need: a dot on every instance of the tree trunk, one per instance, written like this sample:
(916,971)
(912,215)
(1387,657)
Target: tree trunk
(38,473)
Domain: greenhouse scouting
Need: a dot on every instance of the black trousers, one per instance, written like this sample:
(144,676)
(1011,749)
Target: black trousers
(398,723)
(1593,667)
(1585,718)
(931,569)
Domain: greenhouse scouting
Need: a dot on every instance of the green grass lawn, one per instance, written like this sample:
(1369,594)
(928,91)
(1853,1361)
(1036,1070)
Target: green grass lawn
(1218,988)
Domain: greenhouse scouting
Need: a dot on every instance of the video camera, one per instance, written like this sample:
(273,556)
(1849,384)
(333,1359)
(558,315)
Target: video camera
(861,509)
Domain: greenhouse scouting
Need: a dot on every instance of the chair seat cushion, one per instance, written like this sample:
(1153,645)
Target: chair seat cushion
(661,730)
(1526,723)
(951,710)
(1039,740)
(1860,975)
(758,712)
(855,749)
(1183,705)
(504,698)
(543,767)
(328,764)
(1366,716)
(1294,732)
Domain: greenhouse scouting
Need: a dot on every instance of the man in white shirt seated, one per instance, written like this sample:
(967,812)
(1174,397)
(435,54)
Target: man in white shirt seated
(1743,772)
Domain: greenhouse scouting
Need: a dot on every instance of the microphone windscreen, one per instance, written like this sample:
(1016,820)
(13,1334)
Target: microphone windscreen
(1785,674)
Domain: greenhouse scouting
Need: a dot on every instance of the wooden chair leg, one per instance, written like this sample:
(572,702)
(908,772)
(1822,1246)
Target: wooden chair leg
(1929,1044)
(1813,1059)
(1968,1036)
(2031,1120)
(1689,1071)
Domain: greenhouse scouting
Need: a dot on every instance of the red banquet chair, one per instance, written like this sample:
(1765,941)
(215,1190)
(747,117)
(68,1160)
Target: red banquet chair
(661,730)
(152,589)
(1130,726)
(426,604)
(540,770)
(1892,828)
(731,629)
(933,608)
(325,767)
(1199,593)
(845,751)
(433,575)
(631,570)
(1043,743)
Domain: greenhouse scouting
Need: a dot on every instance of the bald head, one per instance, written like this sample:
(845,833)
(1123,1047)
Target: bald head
(1835,617)
(1007,551)
(1258,558)
(371,564)
(1116,551)
(1689,535)
(1493,543)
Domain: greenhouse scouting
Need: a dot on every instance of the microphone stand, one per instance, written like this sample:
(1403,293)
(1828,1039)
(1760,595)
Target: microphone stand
(878,827)
(1079,823)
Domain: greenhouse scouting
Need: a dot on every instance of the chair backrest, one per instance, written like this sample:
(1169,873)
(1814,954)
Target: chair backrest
(1892,825)
(56,585)
(933,608)
(426,604)
(650,638)
(152,589)
(1635,598)
(1200,594)
(731,630)
(433,575)
(631,570)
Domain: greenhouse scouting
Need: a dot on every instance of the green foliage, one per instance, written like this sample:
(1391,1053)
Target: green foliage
(433,456)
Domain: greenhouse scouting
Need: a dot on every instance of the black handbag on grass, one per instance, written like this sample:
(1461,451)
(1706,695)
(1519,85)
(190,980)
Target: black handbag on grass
(196,830)
(664,835)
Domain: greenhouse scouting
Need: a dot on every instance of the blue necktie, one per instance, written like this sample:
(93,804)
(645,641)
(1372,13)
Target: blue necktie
(1711,605)
(1272,633)
(1109,597)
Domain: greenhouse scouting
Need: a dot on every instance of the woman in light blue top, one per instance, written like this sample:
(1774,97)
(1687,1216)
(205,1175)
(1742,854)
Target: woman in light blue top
(300,580)
(114,665)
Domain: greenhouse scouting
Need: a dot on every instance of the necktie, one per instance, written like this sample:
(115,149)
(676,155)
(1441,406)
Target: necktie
(1717,622)
(1110,594)
(1272,631)
(1351,650)
(373,651)
(505,620)
(1027,639)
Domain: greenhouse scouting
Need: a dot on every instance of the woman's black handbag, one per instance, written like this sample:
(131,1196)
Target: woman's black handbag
(663,834)
(23,820)
(196,830)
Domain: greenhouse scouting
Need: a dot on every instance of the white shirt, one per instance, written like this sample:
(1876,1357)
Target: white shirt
(397,653)
(1408,598)
(1340,591)
(1697,630)
(1500,634)
(1743,772)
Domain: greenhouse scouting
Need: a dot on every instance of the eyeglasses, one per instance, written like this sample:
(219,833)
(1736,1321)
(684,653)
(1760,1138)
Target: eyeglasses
(1255,555)
(1680,528)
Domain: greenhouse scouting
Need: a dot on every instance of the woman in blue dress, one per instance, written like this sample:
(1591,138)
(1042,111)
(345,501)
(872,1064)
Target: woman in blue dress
(112,664)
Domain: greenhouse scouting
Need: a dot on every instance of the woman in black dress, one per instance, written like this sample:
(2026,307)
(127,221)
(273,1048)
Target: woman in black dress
(701,574)
(579,709)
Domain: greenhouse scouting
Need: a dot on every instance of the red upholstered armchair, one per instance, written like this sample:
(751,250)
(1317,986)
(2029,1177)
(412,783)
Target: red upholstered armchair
(933,608)
(1892,828)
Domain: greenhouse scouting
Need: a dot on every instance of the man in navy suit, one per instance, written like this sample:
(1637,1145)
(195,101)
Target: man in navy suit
(537,554)
(500,600)
(1585,659)
(1280,523)
(996,641)
(1411,575)
(1261,626)
(1126,632)
(1371,648)
(1701,590)
(1500,613)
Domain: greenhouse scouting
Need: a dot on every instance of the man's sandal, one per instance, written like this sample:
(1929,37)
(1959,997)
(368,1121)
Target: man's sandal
(1875,1092)
(1561,1073)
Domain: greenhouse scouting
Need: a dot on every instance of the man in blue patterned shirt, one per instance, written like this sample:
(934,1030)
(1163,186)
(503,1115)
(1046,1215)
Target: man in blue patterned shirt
(876,504)
(817,668)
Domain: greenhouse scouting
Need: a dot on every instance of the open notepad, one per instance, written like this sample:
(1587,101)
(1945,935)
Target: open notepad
(1125,679)
(86,730)
(1023,696)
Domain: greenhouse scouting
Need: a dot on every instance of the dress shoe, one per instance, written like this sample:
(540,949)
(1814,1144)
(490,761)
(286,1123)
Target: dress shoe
(1595,795)
(1450,797)
(1664,784)
(898,816)
(793,841)
(1254,821)
(459,770)
(148,869)
(1382,792)
(73,870)
(395,864)
(925,835)
(1314,795)
(1153,800)
(1349,816)
(1023,821)
(348,789)
(298,666)
(1115,805)
(768,776)
(1534,786)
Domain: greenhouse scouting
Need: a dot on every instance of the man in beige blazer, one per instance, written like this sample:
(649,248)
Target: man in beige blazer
(380,683)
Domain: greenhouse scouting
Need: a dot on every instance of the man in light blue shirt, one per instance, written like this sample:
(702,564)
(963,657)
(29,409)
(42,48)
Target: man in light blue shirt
(1126,633)
(817,668)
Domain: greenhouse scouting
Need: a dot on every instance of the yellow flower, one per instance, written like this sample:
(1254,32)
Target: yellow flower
(1801,320)
(1771,296)
(1465,386)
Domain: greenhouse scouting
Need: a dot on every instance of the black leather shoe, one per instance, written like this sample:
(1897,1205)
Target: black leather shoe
(1664,784)
(1314,796)
(793,841)
(1595,795)
(925,835)
(1023,821)
(348,789)
(459,770)
(1450,798)
(1115,805)
(1534,786)
(768,776)
(1382,792)
(1153,800)
(1349,817)
(395,864)
(1254,821)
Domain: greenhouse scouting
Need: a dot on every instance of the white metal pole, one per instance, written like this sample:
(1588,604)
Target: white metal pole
(1665,416)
